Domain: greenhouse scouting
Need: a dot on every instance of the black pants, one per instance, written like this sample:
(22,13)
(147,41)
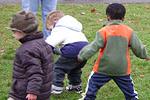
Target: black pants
(69,66)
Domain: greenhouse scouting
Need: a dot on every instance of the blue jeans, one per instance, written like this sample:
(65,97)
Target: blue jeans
(25,5)
(46,7)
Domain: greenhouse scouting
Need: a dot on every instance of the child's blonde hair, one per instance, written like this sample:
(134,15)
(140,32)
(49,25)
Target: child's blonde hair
(52,17)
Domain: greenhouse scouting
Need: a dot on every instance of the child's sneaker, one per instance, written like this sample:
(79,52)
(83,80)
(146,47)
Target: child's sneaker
(76,88)
(56,90)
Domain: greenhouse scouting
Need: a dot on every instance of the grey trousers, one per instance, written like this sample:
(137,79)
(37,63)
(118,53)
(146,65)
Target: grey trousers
(69,66)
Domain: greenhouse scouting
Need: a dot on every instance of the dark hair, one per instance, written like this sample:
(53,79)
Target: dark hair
(115,11)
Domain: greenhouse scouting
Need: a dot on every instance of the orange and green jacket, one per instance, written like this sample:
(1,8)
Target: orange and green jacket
(113,42)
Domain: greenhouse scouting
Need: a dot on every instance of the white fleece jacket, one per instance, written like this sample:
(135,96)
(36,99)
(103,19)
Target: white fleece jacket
(67,30)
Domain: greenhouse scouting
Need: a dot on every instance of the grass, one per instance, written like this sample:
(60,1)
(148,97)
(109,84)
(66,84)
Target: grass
(137,17)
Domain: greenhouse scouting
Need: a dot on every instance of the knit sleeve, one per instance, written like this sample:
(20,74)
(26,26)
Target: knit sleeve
(91,48)
(137,47)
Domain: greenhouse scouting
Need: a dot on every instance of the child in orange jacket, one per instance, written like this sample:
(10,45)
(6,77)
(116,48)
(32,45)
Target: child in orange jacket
(113,43)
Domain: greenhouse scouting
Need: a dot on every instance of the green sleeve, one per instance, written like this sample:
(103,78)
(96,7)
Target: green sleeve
(137,47)
(91,48)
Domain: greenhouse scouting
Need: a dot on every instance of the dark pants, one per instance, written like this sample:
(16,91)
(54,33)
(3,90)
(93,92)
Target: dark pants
(69,66)
(97,80)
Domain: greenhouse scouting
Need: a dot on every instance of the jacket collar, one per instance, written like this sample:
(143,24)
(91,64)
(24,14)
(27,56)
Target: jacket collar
(113,22)
(30,37)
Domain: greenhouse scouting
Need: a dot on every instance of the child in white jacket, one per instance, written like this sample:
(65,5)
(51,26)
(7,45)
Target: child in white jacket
(67,32)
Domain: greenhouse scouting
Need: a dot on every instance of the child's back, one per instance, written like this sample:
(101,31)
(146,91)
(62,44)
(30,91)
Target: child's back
(114,55)
(67,32)
(33,63)
(113,42)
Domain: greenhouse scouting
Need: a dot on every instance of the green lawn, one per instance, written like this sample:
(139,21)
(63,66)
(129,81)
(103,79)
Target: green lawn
(137,17)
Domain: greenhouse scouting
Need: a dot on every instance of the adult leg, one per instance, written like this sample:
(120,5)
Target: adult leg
(34,5)
(126,85)
(25,5)
(47,6)
(96,81)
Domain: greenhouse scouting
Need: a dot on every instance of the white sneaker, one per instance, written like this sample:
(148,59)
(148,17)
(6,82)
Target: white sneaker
(10,98)
(76,88)
(56,90)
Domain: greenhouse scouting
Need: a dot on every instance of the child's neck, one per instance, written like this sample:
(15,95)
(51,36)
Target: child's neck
(115,19)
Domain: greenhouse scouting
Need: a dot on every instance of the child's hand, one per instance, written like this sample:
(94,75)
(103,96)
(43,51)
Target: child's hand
(31,97)
(79,60)
(81,63)
(57,51)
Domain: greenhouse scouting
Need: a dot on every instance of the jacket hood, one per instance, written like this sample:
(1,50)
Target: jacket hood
(69,22)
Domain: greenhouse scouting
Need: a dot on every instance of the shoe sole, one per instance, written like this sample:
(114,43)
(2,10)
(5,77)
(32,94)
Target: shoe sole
(56,93)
